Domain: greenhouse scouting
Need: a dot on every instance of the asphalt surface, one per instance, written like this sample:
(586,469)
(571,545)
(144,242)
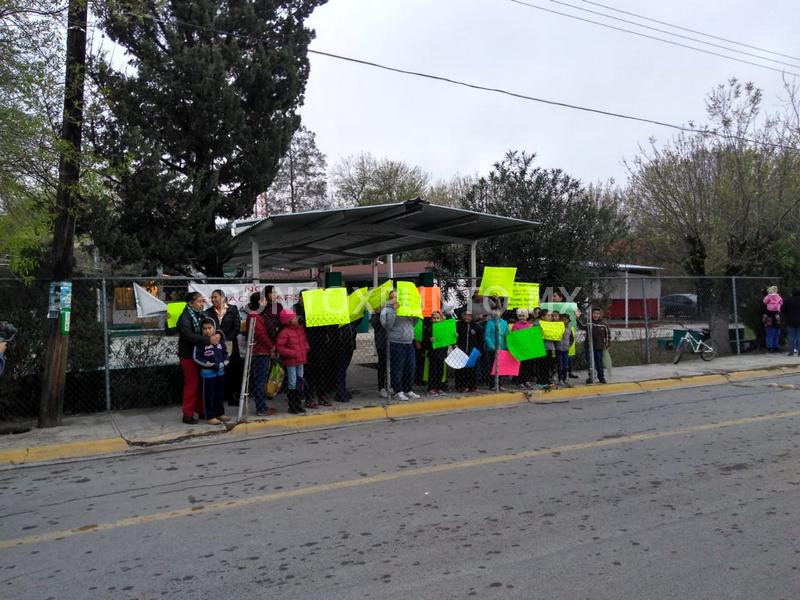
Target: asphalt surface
(690,493)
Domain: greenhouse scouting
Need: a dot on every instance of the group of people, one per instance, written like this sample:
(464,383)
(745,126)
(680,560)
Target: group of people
(482,325)
(315,360)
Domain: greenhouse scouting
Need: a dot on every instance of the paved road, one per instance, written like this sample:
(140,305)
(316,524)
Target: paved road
(681,494)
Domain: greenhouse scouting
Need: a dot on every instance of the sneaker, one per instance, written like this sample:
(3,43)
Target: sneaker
(401,397)
(602,380)
(312,404)
(433,393)
(267,413)
(573,376)
(214,421)
(324,402)
(224,418)
(412,395)
(383,393)
(189,420)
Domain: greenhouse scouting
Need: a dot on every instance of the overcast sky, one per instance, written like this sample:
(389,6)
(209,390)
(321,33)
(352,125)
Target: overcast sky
(447,130)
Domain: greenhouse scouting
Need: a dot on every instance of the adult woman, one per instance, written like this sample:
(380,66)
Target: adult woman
(271,313)
(189,336)
(263,349)
(226,319)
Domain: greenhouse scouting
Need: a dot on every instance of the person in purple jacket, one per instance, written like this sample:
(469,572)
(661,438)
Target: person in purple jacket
(212,358)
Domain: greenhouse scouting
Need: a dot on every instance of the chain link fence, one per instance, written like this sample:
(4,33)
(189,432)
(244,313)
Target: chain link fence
(118,360)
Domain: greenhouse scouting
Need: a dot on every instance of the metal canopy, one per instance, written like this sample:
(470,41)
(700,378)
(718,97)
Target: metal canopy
(323,237)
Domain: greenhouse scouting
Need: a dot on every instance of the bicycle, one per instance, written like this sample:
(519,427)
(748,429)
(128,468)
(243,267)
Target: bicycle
(706,348)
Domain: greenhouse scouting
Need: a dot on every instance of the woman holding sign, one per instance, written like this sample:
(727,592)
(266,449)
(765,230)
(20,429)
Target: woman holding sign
(400,331)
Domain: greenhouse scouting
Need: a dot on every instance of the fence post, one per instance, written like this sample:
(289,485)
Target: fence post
(104,305)
(590,341)
(646,323)
(735,316)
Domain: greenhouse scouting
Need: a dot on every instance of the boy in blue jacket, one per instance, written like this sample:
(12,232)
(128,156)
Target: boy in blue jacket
(212,358)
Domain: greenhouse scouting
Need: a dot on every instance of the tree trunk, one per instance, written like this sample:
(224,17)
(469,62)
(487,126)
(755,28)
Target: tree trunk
(55,364)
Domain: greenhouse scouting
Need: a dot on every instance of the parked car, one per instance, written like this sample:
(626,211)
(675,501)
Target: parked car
(679,305)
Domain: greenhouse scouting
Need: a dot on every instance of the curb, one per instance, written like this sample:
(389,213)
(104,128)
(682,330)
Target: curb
(116,445)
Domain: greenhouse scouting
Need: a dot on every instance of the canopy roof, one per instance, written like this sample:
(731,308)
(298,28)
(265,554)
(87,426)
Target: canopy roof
(323,237)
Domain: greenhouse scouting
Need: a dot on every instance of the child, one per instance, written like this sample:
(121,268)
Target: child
(562,351)
(212,358)
(436,356)
(526,366)
(601,340)
(467,338)
(495,337)
(293,347)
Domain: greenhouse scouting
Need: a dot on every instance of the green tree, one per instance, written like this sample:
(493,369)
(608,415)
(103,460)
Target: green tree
(31,72)
(722,202)
(364,180)
(195,129)
(301,182)
(577,232)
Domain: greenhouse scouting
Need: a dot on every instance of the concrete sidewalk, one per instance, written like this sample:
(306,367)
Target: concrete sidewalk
(108,433)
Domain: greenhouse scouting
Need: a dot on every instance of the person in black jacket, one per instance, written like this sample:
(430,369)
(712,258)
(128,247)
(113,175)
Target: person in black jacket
(227,321)
(189,336)
(791,316)
(346,346)
(468,336)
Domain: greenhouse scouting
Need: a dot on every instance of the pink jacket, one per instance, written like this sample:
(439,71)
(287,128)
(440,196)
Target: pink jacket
(521,325)
(774,302)
(293,345)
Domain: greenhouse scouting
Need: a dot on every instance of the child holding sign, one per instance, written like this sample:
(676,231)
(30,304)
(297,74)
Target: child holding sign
(436,355)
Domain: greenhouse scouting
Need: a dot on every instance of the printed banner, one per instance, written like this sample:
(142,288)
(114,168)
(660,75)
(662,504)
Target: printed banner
(238,294)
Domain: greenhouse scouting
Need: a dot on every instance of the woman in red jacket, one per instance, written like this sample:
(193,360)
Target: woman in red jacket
(263,350)
(293,347)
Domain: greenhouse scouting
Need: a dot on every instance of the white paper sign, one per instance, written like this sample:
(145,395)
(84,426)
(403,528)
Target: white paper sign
(457,359)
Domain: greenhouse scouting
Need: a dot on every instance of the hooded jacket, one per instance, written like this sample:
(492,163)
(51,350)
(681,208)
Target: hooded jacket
(293,345)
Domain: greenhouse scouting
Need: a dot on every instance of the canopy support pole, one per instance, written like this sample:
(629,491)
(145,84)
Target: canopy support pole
(254,256)
(473,265)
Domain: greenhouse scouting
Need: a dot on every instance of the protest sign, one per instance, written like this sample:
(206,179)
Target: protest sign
(326,307)
(444,333)
(524,295)
(498,281)
(552,330)
(409,302)
(525,344)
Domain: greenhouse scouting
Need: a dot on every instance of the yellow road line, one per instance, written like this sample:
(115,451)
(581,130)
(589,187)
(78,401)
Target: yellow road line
(373,479)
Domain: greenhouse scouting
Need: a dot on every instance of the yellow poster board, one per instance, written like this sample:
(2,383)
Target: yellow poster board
(377,296)
(357,302)
(409,302)
(552,330)
(174,310)
(326,307)
(525,295)
(498,281)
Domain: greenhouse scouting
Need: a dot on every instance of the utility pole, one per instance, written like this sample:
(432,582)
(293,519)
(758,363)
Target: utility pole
(55,365)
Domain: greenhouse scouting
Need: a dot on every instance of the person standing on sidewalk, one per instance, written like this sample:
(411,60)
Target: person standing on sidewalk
(772,317)
(262,352)
(212,360)
(189,336)
(400,331)
(3,346)
(601,340)
(293,347)
(227,321)
(791,316)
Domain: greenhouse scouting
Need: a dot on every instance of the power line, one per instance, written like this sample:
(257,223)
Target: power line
(478,86)
(722,39)
(678,35)
(652,37)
